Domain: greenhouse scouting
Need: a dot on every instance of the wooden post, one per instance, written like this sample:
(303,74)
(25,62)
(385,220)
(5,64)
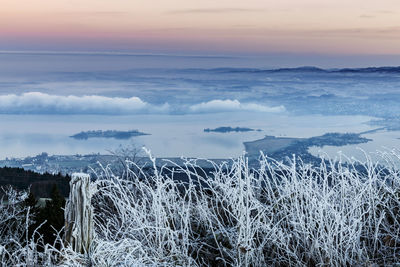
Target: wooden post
(79,214)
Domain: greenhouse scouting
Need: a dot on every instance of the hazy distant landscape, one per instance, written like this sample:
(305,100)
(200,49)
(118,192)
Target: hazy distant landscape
(176,104)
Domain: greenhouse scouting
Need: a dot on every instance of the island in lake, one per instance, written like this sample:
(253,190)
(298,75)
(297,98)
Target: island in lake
(229,129)
(107,134)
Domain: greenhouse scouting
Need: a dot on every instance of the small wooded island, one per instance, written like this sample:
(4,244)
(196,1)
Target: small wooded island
(107,134)
(228,129)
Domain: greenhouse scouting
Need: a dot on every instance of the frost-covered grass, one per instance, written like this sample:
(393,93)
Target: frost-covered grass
(280,214)
(17,247)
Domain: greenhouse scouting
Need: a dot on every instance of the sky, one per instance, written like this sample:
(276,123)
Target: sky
(207,27)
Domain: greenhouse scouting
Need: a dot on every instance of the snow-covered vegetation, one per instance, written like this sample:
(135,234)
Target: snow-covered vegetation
(280,214)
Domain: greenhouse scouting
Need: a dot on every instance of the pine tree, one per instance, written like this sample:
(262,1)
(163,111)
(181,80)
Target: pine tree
(53,214)
(31,202)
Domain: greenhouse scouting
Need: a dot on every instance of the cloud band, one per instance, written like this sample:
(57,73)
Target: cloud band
(41,103)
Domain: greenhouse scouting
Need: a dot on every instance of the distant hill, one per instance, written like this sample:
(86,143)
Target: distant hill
(345,70)
(307,69)
(40,184)
(371,69)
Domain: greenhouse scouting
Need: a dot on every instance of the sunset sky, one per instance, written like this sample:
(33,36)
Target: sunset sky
(331,27)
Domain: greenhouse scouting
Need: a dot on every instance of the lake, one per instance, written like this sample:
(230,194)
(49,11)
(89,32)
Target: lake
(171,135)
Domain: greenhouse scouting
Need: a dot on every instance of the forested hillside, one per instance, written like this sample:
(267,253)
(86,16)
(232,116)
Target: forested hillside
(40,184)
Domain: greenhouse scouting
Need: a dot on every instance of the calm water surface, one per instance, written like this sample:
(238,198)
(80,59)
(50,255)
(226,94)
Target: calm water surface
(171,135)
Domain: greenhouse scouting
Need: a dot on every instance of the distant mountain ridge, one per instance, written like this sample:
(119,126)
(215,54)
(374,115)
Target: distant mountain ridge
(372,69)
(385,69)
